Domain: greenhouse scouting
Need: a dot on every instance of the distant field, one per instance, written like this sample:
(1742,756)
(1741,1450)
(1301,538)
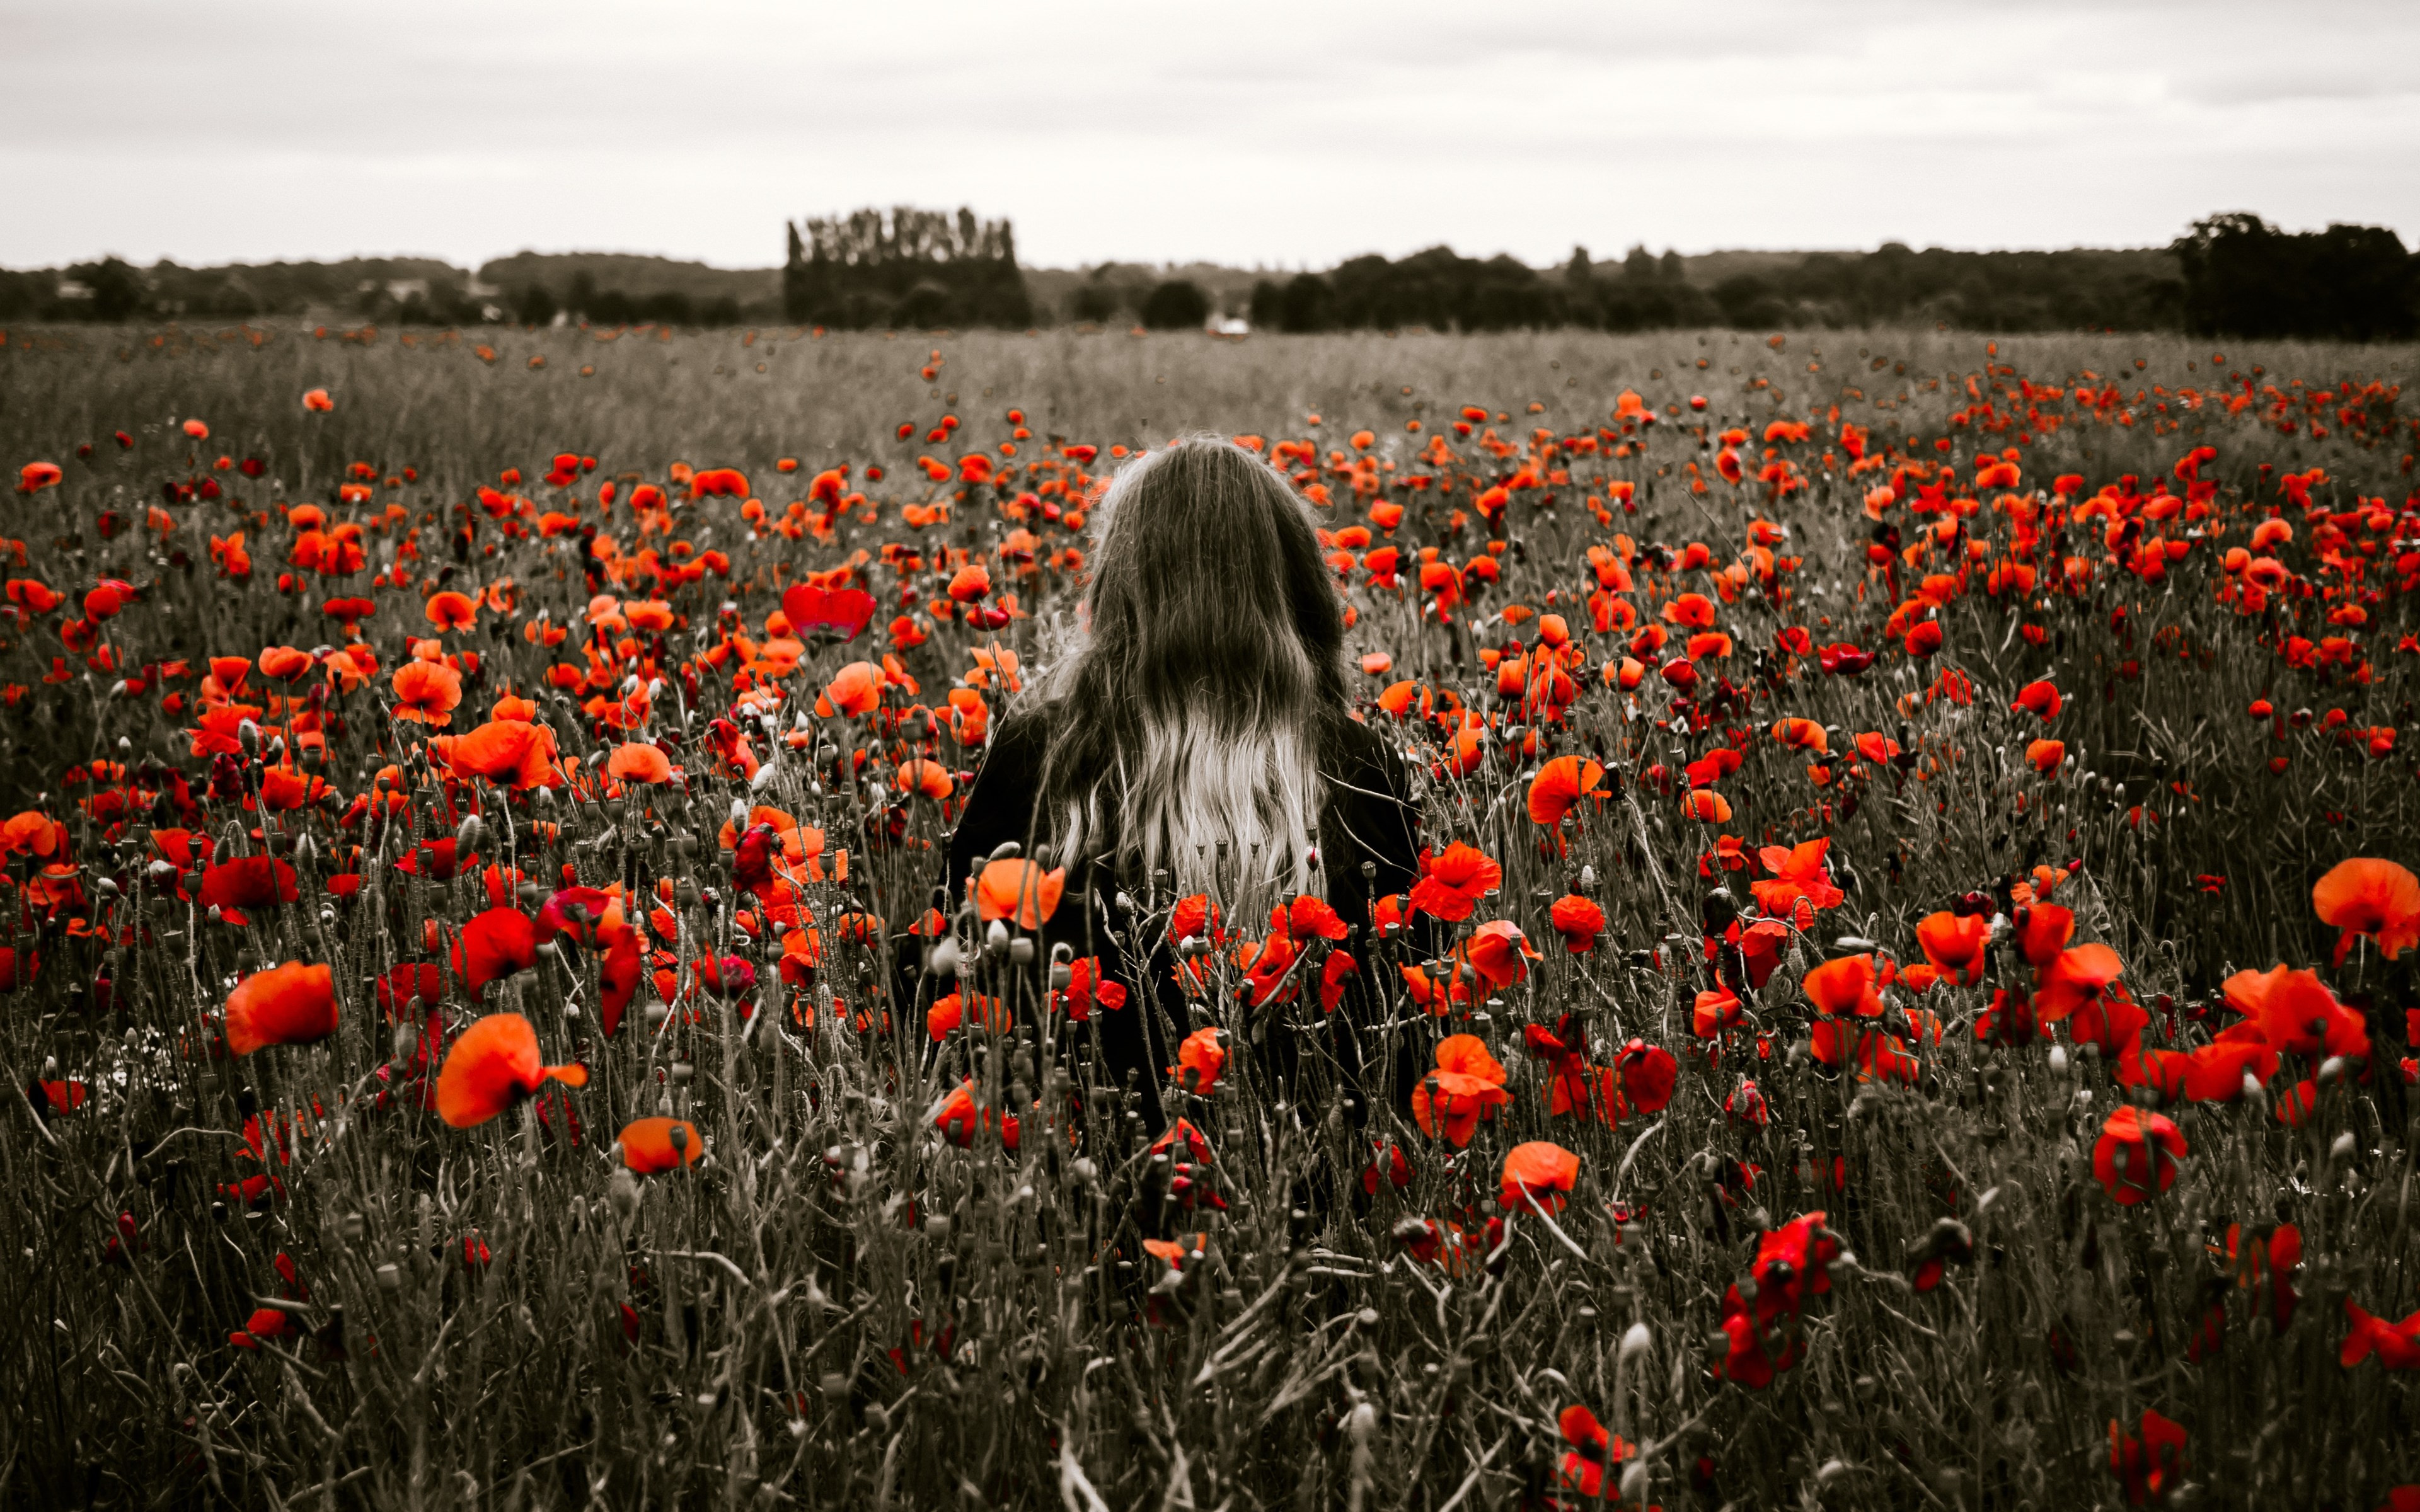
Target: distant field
(425,398)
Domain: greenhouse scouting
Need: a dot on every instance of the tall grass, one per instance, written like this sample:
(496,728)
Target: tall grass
(840,1306)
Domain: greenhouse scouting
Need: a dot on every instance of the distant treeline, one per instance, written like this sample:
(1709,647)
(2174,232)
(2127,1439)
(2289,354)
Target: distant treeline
(2229,275)
(906,267)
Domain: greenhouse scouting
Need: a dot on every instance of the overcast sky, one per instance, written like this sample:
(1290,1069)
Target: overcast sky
(1269,132)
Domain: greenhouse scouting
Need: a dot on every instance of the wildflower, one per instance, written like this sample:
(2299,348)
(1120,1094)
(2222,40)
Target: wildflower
(1593,1451)
(2372,898)
(1199,1059)
(1954,944)
(1019,890)
(292,1004)
(1452,885)
(492,1065)
(1578,920)
(2135,1157)
(1561,783)
(652,1145)
(2150,1466)
(1466,1086)
(1538,1174)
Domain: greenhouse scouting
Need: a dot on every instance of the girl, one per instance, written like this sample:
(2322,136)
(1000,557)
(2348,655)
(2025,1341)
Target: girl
(1199,741)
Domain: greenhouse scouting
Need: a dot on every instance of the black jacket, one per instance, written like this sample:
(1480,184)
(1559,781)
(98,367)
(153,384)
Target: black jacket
(1367,817)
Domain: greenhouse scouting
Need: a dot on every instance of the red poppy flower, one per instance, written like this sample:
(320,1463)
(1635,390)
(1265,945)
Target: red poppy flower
(248,882)
(1539,1173)
(1593,1451)
(1199,1059)
(2367,897)
(1560,784)
(1578,920)
(2397,1345)
(2135,1157)
(2075,978)
(1844,988)
(1020,891)
(494,1065)
(1798,872)
(648,1144)
(2295,1011)
(1954,944)
(1648,1075)
(1466,1086)
(292,1004)
(1452,885)
(494,945)
(2150,1466)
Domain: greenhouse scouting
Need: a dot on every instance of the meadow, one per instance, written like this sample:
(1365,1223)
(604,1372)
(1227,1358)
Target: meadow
(1908,989)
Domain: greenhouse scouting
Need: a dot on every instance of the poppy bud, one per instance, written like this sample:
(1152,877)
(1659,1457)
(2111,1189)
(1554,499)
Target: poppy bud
(403,1040)
(995,939)
(1636,1342)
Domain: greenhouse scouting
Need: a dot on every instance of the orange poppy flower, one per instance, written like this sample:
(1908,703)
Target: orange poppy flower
(1954,943)
(2367,896)
(856,691)
(507,751)
(1198,1061)
(283,664)
(1802,735)
(1540,1174)
(2044,756)
(492,1065)
(2076,978)
(929,779)
(292,1004)
(427,692)
(1559,784)
(450,610)
(1844,988)
(2295,1011)
(648,1146)
(1500,953)
(1020,891)
(33,833)
(1707,805)
(1466,1086)
(638,761)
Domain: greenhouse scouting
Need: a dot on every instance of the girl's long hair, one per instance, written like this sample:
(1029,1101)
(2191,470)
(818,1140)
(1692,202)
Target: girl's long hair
(1186,728)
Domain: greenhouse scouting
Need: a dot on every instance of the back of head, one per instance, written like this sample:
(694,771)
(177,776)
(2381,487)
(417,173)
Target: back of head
(1189,720)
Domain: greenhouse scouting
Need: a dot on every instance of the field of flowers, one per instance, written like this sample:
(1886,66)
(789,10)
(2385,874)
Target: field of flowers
(1913,1011)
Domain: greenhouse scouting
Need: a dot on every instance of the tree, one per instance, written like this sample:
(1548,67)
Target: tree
(119,292)
(1306,304)
(1579,272)
(1176,305)
(534,305)
(1639,265)
(1268,305)
(2243,277)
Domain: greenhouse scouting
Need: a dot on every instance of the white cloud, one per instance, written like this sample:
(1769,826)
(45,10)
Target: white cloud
(1260,131)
